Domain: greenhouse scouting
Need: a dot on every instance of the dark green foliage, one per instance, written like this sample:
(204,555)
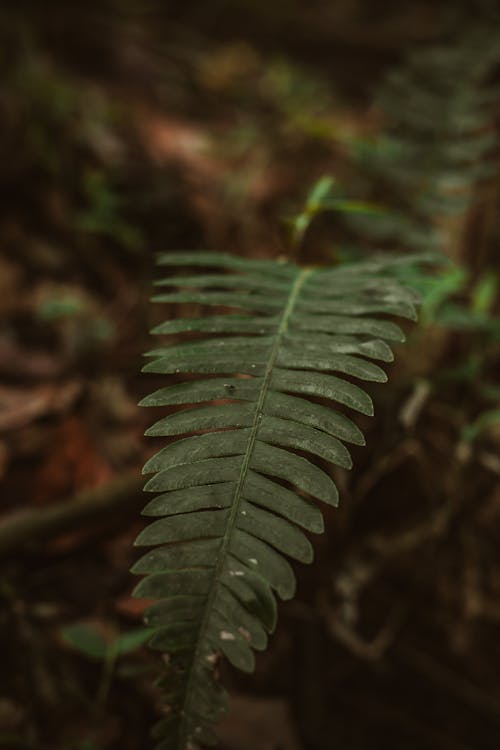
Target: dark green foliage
(440,108)
(235,499)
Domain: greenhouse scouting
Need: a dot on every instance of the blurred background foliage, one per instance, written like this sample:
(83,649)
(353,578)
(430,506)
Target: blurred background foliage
(321,132)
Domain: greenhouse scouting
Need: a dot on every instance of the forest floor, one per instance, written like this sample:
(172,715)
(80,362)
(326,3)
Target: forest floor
(116,145)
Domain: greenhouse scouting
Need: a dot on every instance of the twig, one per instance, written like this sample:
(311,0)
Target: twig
(25,527)
(455,683)
(369,650)
(412,407)
(391,545)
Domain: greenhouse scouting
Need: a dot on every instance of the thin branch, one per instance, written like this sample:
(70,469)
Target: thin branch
(22,528)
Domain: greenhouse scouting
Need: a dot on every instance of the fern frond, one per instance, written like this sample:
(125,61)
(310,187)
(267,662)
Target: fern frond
(235,500)
(440,109)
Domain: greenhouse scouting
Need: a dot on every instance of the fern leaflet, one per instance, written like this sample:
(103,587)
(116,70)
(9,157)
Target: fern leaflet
(238,492)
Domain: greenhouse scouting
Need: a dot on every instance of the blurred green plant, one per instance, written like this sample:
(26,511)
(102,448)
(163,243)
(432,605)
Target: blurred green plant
(467,309)
(453,301)
(76,317)
(105,212)
(68,134)
(482,424)
(326,196)
(90,641)
(450,300)
(438,113)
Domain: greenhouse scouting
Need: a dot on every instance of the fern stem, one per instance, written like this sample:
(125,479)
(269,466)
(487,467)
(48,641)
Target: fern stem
(301,278)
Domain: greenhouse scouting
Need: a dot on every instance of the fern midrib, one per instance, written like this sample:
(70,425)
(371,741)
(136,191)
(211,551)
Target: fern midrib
(221,558)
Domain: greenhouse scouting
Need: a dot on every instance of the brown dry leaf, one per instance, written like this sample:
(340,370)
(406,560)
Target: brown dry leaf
(133,608)
(169,140)
(22,406)
(26,363)
(72,464)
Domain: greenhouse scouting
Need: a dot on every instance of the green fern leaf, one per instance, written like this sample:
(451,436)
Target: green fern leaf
(235,500)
